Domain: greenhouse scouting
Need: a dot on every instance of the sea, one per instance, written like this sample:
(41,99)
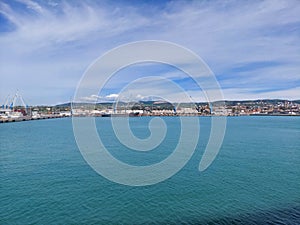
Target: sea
(254,179)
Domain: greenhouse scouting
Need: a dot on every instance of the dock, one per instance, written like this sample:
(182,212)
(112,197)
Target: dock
(28,118)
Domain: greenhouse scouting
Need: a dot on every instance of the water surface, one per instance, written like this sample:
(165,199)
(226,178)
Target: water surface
(255,179)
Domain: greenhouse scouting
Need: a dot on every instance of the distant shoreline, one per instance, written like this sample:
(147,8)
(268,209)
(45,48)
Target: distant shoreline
(13,120)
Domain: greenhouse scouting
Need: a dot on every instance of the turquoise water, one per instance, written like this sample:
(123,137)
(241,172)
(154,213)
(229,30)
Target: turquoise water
(255,178)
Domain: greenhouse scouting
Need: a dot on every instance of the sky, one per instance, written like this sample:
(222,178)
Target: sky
(252,47)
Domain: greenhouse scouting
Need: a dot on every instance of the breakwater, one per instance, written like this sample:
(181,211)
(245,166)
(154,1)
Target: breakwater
(27,118)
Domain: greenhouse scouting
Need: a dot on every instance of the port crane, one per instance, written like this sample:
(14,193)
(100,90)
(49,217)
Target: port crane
(16,100)
(199,108)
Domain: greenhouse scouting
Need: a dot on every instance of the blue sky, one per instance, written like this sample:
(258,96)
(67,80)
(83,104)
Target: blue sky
(251,46)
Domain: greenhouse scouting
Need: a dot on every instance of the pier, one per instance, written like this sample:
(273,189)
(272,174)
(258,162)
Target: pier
(28,118)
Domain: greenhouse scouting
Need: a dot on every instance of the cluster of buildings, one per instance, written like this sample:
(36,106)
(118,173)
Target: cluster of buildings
(231,108)
(264,107)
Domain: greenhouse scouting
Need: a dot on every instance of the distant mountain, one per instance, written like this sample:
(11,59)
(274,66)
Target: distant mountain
(63,105)
(165,104)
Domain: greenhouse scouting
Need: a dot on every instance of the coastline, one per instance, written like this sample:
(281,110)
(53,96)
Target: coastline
(26,118)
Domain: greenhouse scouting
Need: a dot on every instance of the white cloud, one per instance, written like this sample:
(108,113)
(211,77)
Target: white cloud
(251,94)
(32,5)
(112,96)
(98,98)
